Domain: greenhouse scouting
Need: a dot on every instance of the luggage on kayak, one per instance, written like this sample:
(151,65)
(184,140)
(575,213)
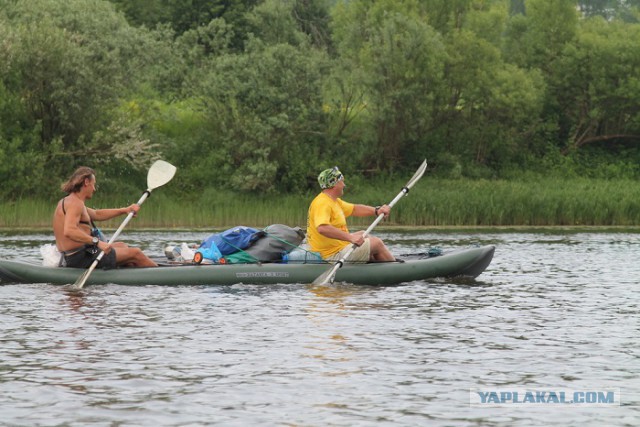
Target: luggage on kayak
(240,257)
(302,256)
(233,239)
(51,256)
(227,242)
(276,240)
(208,250)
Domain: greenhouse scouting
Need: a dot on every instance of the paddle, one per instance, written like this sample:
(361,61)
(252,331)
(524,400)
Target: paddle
(159,174)
(329,275)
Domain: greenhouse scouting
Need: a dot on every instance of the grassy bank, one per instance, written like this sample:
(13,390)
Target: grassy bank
(432,202)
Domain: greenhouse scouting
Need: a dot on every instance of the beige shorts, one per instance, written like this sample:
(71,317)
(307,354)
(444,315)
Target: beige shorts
(360,254)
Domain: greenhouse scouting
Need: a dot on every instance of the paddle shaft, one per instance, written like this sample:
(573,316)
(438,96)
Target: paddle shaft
(82,280)
(159,174)
(329,276)
(124,224)
(400,195)
(353,247)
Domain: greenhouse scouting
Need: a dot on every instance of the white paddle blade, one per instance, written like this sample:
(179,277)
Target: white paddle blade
(83,279)
(159,174)
(416,177)
(326,277)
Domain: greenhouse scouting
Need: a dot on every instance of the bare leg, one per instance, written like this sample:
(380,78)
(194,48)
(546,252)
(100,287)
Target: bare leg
(133,257)
(379,251)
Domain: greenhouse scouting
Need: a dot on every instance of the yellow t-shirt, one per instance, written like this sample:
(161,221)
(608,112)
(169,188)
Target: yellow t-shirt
(325,210)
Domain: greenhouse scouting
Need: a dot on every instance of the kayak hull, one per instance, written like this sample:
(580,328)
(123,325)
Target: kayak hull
(469,262)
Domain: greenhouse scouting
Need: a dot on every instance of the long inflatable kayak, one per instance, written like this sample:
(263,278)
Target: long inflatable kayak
(469,262)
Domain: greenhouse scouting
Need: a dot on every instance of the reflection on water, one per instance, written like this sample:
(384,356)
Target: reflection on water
(553,310)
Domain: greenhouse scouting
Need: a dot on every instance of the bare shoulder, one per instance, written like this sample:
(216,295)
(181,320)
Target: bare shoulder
(74,206)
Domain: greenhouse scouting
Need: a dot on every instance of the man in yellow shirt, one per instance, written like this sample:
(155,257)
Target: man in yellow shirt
(327,231)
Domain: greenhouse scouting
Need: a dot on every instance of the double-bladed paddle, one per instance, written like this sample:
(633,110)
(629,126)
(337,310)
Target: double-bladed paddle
(159,174)
(329,276)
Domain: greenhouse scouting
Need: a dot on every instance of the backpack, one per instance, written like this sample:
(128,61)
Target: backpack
(278,240)
(207,250)
(275,241)
(233,239)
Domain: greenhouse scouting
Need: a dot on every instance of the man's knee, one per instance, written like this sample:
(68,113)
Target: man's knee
(128,253)
(376,243)
(138,254)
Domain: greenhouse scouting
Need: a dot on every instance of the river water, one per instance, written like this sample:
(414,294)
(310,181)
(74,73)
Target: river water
(554,311)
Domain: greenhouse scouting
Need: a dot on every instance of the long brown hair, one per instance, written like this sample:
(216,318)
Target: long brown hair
(75,183)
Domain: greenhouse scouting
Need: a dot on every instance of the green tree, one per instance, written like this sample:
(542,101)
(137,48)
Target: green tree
(397,61)
(627,10)
(490,107)
(536,41)
(447,15)
(21,162)
(549,27)
(65,67)
(598,79)
(185,15)
(273,23)
(590,67)
(404,65)
(448,95)
(265,111)
(313,17)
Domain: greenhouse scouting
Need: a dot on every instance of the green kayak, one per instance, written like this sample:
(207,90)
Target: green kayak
(469,262)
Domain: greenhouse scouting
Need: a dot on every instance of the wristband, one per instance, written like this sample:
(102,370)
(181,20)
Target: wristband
(376,210)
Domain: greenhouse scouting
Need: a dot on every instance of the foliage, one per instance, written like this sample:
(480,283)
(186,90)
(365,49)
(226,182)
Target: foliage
(391,64)
(257,96)
(598,76)
(64,67)
(188,15)
(266,118)
(626,10)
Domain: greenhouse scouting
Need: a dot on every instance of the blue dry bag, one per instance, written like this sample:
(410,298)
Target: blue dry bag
(209,251)
(234,239)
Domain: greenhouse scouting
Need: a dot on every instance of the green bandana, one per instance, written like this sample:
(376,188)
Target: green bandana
(328,178)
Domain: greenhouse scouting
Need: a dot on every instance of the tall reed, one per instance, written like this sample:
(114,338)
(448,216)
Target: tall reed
(432,202)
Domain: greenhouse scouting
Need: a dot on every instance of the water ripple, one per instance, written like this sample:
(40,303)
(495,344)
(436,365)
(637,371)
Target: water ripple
(552,311)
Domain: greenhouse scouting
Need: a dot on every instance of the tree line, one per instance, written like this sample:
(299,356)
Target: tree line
(260,95)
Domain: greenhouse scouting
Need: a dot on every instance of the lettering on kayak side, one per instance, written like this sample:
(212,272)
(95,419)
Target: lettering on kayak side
(264,274)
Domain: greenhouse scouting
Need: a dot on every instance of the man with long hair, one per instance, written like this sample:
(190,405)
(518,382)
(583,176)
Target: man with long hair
(77,237)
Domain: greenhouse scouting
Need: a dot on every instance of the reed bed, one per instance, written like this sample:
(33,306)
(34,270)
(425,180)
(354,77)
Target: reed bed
(546,202)
(226,210)
(26,213)
(432,202)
